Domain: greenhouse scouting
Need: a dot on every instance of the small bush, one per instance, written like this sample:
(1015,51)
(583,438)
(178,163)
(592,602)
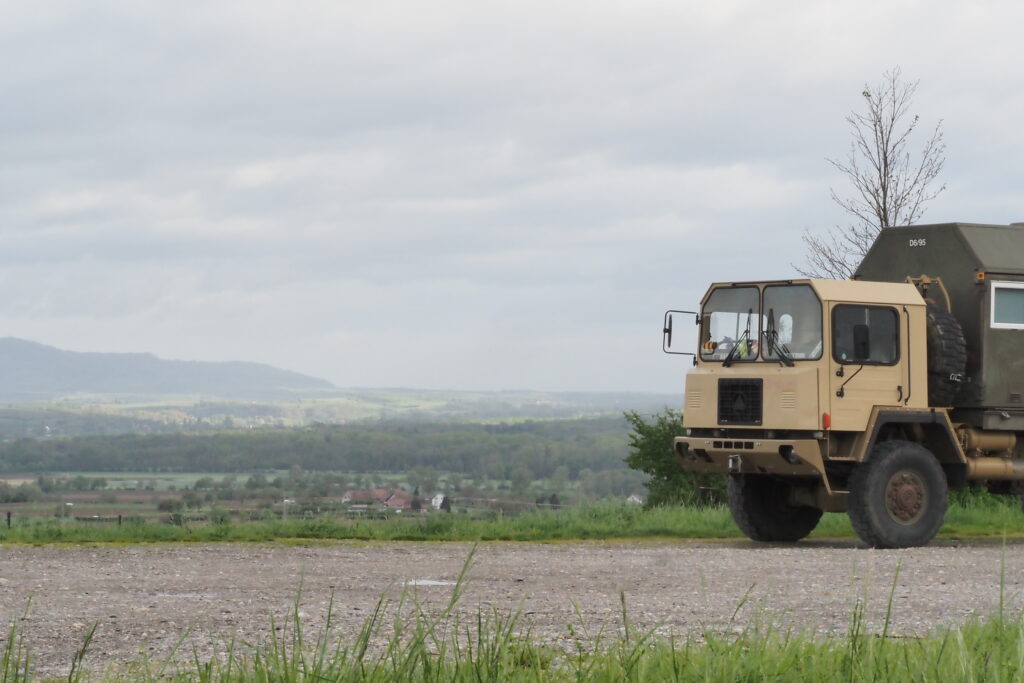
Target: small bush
(219,515)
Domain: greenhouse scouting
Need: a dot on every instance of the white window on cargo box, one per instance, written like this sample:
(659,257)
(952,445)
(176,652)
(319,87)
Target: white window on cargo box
(1008,305)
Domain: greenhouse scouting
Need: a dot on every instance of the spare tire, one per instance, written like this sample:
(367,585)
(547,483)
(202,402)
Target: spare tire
(947,357)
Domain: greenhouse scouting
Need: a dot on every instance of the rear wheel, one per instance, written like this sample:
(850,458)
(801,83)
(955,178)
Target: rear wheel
(760,506)
(897,496)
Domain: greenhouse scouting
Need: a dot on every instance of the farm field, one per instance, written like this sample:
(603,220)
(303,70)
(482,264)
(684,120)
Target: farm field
(78,415)
(146,600)
(185,500)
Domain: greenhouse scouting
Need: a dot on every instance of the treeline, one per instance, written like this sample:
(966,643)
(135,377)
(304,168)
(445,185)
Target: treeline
(488,450)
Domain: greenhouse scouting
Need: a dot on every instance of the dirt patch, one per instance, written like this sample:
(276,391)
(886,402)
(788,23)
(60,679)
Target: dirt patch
(143,599)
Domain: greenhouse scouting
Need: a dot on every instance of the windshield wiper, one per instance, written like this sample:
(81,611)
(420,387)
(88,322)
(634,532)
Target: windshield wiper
(736,346)
(771,336)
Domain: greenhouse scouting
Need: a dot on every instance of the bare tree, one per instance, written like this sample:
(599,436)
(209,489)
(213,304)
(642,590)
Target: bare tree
(890,185)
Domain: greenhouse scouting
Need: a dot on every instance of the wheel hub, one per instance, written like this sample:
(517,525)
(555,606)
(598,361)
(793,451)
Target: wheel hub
(905,497)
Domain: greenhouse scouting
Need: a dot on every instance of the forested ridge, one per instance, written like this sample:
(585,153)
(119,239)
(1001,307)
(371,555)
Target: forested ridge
(489,450)
(36,371)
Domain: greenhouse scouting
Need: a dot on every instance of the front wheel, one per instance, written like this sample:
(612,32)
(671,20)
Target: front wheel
(760,506)
(897,496)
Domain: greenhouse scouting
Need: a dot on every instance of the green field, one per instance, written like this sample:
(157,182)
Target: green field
(977,517)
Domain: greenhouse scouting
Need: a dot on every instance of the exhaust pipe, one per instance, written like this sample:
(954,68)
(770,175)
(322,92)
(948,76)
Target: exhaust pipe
(995,468)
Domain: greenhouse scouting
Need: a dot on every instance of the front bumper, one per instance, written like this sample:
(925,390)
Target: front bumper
(787,457)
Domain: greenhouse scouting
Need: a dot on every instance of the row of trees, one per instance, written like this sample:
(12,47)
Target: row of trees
(319,485)
(489,451)
(456,458)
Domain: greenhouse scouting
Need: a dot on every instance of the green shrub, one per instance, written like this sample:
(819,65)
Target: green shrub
(651,452)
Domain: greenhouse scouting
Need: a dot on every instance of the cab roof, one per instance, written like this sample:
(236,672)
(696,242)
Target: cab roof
(862,292)
(853,291)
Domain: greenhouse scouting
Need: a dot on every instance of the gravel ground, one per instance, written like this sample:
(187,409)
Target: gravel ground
(144,598)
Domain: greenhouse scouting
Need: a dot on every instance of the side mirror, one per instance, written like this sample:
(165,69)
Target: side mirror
(667,330)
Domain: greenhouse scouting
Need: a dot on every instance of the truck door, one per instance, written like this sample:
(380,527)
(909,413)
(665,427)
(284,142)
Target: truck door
(865,363)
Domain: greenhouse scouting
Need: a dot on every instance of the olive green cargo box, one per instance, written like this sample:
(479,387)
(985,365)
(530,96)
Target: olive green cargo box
(982,268)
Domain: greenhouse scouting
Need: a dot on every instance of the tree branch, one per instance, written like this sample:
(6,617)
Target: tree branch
(889,187)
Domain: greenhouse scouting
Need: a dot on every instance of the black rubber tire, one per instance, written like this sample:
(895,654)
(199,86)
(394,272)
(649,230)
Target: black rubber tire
(759,506)
(947,357)
(898,496)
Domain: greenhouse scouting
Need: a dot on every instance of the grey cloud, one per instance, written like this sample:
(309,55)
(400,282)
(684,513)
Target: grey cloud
(470,195)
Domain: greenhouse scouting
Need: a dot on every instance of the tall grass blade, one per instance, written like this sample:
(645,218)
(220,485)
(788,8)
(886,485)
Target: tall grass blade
(75,674)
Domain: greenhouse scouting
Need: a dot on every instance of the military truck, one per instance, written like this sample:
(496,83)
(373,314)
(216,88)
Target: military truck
(873,396)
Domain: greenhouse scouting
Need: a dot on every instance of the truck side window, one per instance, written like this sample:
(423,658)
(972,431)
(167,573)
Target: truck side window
(866,335)
(1008,305)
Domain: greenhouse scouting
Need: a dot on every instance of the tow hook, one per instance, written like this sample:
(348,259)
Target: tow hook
(735,463)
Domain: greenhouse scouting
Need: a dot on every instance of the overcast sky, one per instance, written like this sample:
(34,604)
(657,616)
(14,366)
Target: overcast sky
(465,195)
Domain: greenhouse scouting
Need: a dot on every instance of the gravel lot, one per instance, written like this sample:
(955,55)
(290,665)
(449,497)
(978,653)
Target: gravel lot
(144,598)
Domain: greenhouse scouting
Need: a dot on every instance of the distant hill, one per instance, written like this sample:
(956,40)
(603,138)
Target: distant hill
(31,371)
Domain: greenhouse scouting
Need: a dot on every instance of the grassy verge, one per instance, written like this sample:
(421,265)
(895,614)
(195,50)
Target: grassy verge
(402,640)
(968,517)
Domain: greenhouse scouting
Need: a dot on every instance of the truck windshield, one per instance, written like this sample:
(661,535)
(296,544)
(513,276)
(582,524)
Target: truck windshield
(731,324)
(792,318)
(782,325)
